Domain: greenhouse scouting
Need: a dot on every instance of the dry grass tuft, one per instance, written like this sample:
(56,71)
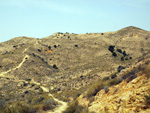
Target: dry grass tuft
(147,100)
(76,108)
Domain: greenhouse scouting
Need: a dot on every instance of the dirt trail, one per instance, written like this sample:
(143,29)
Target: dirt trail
(61,107)
(25,50)
(24,59)
(58,109)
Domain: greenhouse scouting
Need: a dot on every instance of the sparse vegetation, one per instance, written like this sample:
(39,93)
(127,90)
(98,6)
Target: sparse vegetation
(147,100)
(95,88)
(130,57)
(131,74)
(124,53)
(126,58)
(2,104)
(111,48)
(55,67)
(107,82)
(101,84)
(122,58)
(76,46)
(146,70)
(114,75)
(76,108)
(120,68)
(106,78)
(119,50)
(114,54)
(49,47)
(67,70)
(106,88)
(17,107)
(55,46)
(49,105)
(60,33)
(39,50)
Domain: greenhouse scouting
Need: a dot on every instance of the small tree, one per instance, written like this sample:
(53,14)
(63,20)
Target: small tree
(124,53)
(49,47)
(119,50)
(111,48)
(55,67)
(55,46)
(75,45)
(122,58)
(120,68)
(114,54)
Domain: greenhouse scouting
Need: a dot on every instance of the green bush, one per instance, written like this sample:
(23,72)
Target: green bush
(49,47)
(111,48)
(114,54)
(55,67)
(122,58)
(55,46)
(119,50)
(124,53)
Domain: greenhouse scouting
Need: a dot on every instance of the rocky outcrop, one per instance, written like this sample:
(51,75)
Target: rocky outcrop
(124,97)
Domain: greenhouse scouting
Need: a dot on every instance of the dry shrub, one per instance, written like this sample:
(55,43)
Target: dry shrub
(74,108)
(106,78)
(49,105)
(114,82)
(146,71)
(94,89)
(91,99)
(17,108)
(130,74)
(106,88)
(101,84)
(147,100)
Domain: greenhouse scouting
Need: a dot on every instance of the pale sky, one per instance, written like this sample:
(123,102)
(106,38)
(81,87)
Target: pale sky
(41,18)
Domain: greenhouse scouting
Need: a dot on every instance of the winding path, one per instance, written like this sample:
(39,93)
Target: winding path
(58,109)
(61,107)
(4,73)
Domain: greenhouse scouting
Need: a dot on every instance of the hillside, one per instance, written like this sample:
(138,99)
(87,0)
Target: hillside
(130,95)
(65,64)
